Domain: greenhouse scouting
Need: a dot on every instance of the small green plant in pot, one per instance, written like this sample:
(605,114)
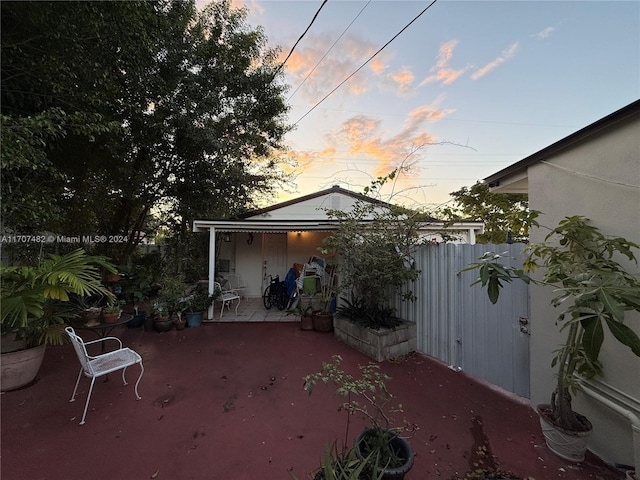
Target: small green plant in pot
(111,312)
(380,448)
(304,311)
(594,292)
(197,303)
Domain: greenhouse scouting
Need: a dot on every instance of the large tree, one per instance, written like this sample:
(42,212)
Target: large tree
(115,111)
(506,216)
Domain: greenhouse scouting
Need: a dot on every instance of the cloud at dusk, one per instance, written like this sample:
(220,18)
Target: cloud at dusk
(503,57)
(441,71)
(365,137)
(543,34)
(335,67)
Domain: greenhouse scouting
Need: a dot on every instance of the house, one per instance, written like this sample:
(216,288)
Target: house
(594,172)
(267,242)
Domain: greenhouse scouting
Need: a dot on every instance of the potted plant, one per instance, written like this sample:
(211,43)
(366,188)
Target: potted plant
(136,289)
(197,303)
(305,312)
(170,303)
(161,318)
(322,320)
(380,448)
(111,313)
(593,291)
(37,300)
(375,242)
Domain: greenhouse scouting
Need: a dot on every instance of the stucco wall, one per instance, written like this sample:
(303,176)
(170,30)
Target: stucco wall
(597,179)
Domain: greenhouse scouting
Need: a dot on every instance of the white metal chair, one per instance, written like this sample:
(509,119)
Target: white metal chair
(227,297)
(103,364)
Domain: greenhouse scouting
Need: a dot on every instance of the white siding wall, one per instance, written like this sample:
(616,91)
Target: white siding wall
(599,179)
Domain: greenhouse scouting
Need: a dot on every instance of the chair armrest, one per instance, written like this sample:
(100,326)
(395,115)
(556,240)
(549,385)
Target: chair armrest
(104,340)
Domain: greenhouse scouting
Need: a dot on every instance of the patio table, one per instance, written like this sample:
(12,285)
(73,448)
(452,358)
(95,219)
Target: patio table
(103,329)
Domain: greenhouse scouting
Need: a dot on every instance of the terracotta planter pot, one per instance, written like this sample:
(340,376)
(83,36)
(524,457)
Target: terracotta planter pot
(306,323)
(110,317)
(20,368)
(323,322)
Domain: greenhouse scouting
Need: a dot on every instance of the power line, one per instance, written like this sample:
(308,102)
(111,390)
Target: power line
(330,48)
(366,62)
(300,38)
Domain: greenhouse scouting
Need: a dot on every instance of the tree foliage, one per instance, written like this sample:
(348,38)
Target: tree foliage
(506,216)
(375,242)
(118,113)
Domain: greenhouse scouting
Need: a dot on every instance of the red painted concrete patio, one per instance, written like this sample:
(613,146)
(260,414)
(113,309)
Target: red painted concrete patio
(225,401)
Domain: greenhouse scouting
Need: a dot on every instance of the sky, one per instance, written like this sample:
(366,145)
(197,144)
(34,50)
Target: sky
(468,88)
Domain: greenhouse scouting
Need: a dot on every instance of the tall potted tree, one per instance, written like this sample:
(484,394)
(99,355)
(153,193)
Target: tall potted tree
(36,301)
(594,291)
(374,243)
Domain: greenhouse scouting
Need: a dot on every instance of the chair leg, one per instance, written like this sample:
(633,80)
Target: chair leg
(237,305)
(124,380)
(138,397)
(73,395)
(86,405)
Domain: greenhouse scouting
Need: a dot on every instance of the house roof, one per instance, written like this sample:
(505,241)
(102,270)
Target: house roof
(305,213)
(516,174)
(311,196)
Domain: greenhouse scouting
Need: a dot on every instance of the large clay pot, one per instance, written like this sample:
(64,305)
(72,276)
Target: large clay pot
(323,322)
(20,368)
(162,324)
(567,444)
(306,322)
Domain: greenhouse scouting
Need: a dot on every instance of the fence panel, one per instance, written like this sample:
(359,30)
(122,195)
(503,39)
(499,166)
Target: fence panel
(457,324)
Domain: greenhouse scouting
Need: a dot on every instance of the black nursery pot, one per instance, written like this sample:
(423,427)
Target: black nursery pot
(399,445)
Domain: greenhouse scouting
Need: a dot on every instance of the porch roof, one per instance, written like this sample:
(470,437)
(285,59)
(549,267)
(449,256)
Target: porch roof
(284,226)
(263,226)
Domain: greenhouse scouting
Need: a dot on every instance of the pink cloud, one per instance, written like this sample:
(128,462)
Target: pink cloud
(504,56)
(335,67)
(444,73)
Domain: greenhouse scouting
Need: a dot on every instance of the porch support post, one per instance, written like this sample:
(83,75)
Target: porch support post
(472,236)
(212,268)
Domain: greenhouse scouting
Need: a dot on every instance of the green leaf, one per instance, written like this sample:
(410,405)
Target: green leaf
(625,335)
(493,290)
(592,338)
(611,306)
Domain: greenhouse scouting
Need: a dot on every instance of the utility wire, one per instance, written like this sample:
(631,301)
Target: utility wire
(300,38)
(365,63)
(330,48)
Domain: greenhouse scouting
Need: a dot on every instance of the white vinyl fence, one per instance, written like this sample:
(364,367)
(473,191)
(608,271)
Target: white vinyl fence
(457,324)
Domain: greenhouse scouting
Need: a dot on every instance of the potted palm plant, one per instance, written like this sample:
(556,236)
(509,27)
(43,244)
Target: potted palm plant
(37,300)
(380,450)
(593,291)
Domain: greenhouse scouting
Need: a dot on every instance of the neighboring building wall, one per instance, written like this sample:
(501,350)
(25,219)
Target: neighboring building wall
(597,179)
